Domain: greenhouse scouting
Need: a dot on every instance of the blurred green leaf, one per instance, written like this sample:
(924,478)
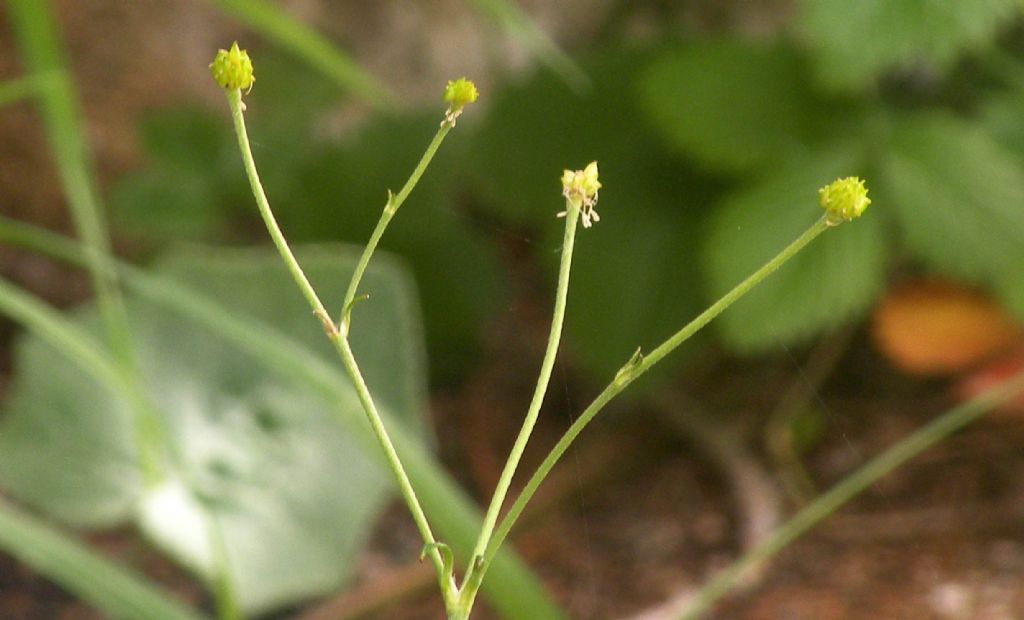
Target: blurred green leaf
(186,189)
(957,196)
(736,106)
(1002,118)
(833,280)
(1010,289)
(186,138)
(293,495)
(856,41)
(165,204)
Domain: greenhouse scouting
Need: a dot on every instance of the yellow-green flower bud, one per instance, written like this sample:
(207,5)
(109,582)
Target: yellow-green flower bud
(844,199)
(457,94)
(232,69)
(580,188)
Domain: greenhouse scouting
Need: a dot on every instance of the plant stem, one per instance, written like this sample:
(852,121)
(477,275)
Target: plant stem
(533,412)
(394,202)
(634,369)
(235,102)
(946,424)
(337,339)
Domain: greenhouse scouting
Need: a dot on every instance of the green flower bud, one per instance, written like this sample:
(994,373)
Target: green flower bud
(457,94)
(580,188)
(844,199)
(232,69)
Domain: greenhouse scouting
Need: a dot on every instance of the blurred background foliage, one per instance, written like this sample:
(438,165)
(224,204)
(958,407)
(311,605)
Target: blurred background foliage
(710,145)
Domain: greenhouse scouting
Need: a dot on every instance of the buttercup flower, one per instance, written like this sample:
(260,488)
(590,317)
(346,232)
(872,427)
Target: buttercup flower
(580,188)
(844,199)
(232,68)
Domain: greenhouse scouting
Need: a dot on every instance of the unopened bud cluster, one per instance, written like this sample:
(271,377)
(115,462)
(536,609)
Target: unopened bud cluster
(232,69)
(844,199)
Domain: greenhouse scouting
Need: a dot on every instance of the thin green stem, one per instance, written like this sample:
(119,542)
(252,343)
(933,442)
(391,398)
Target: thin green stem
(826,504)
(633,369)
(307,290)
(394,202)
(337,339)
(404,485)
(533,412)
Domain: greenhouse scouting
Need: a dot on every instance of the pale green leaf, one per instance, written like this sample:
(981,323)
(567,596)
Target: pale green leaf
(253,454)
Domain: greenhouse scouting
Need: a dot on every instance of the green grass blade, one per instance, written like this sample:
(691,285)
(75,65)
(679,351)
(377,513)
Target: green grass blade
(309,45)
(36,33)
(511,588)
(112,589)
(511,18)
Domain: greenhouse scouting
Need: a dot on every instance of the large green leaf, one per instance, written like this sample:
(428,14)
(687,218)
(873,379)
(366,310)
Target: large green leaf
(253,455)
(734,105)
(957,195)
(831,281)
(856,41)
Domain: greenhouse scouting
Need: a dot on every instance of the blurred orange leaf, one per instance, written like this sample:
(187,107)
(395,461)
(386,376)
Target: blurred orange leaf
(935,327)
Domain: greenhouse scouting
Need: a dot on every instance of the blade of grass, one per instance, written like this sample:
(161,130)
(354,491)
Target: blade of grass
(41,52)
(513,590)
(114,590)
(37,37)
(827,503)
(309,45)
(511,18)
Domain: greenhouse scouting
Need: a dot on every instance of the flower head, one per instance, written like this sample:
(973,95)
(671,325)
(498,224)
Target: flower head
(232,68)
(457,94)
(580,188)
(844,199)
